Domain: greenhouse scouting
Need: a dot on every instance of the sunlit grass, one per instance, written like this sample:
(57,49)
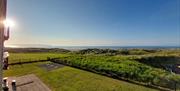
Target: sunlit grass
(54,78)
(22,57)
(71,79)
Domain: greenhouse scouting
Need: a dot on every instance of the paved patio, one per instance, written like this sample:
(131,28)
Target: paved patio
(28,83)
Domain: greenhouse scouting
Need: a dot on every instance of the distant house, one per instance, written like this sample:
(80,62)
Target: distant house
(176,68)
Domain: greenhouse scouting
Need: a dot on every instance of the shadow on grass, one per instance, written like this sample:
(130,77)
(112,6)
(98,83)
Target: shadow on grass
(169,63)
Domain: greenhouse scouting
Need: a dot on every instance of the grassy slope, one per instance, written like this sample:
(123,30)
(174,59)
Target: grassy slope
(71,79)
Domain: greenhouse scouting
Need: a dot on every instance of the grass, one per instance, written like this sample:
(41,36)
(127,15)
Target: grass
(126,67)
(17,57)
(71,79)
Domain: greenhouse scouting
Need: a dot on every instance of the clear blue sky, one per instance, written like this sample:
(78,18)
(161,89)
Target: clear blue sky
(95,22)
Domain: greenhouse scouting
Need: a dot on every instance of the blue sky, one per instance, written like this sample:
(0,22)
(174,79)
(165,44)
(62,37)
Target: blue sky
(95,22)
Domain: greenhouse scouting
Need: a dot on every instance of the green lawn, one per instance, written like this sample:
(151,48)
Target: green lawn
(21,57)
(71,79)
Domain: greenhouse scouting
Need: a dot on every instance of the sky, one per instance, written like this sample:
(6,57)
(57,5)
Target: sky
(95,22)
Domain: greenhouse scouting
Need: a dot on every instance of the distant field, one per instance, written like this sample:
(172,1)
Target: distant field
(22,57)
(71,79)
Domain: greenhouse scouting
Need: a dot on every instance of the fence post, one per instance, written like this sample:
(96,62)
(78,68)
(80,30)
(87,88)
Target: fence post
(13,85)
(5,84)
(175,84)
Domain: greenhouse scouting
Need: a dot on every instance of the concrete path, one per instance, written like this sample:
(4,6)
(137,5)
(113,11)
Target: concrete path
(28,83)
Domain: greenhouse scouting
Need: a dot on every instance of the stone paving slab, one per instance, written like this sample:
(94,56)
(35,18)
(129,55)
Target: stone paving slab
(28,83)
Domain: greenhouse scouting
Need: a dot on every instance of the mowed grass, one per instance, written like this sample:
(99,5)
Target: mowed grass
(23,57)
(72,79)
(67,78)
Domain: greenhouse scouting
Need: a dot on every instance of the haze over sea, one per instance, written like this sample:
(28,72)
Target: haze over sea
(86,47)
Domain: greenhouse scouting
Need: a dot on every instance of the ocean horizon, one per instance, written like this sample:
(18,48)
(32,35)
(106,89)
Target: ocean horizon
(86,47)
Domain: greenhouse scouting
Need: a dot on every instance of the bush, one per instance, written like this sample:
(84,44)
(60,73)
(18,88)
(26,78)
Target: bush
(129,69)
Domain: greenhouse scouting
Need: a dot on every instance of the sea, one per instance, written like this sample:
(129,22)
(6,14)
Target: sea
(90,47)
(118,47)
